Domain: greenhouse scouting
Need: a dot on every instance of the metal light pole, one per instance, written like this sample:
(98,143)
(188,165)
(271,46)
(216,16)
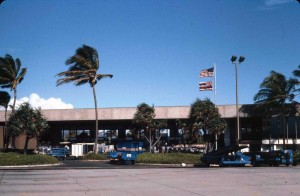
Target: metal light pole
(234,61)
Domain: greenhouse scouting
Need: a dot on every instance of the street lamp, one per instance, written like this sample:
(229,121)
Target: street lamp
(234,61)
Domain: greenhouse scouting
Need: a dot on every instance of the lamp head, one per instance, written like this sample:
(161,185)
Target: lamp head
(241,59)
(233,58)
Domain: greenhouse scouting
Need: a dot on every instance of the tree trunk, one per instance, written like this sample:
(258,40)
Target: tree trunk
(13,139)
(15,98)
(96,114)
(150,141)
(284,131)
(284,126)
(5,133)
(26,145)
(207,147)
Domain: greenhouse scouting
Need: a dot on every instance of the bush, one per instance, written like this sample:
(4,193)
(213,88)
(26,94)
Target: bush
(93,156)
(169,158)
(12,158)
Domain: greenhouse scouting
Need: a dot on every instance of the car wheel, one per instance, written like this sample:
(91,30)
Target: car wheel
(206,164)
(255,163)
(221,164)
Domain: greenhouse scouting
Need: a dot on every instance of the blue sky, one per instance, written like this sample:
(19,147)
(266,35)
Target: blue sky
(154,48)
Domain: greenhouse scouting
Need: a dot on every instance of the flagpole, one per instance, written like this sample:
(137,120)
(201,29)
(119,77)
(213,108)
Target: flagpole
(215,79)
(215,84)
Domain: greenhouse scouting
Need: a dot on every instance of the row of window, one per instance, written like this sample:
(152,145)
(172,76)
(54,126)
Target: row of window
(73,135)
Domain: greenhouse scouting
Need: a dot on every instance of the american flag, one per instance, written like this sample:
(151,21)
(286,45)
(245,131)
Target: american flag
(207,73)
(205,86)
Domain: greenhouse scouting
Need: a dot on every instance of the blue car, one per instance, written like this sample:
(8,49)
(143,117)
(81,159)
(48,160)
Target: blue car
(126,152)
(228,156)
(59,153)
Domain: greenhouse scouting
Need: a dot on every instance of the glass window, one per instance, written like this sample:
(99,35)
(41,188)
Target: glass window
(244,130)
(101,133)
(66,135)
(82,134)
(72,135)
(128,133)
(114,134)
(165,132)
(180,132)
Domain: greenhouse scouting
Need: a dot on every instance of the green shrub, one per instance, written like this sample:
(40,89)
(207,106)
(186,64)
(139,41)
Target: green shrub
(93,156)
(169,158)
(12,158)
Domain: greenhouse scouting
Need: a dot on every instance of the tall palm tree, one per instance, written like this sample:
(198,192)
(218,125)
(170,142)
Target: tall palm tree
(11,74)
(275,92)
(84,65)
(4,100)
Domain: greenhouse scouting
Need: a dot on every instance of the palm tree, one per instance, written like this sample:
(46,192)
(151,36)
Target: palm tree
(84,65)
(297,74)
(11,74)
(4,100)
(275,91)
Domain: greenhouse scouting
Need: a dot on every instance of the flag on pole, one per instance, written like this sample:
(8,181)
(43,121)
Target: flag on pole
(207,73)
(205,86)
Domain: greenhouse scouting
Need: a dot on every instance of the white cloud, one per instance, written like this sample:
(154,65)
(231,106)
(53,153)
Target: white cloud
(274,4)
(277,2)
(36,101)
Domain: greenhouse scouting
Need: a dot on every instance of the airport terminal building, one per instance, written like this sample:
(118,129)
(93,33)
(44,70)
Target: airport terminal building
(78,126)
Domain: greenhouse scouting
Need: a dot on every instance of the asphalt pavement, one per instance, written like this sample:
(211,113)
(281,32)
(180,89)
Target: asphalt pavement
(139,180)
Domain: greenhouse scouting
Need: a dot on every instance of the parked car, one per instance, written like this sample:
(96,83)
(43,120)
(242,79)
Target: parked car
(227,156)
(274,158)
(59,153)
(126,152)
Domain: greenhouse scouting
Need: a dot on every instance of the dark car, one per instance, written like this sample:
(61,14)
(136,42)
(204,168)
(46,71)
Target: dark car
(274,158)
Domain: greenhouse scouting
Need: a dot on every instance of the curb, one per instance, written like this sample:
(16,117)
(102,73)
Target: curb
(28,166)
(170,165)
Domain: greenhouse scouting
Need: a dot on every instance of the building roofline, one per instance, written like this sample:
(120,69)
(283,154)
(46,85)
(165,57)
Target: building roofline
(127,113)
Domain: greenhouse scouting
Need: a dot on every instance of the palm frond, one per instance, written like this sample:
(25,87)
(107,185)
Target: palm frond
(92,56)
(10,72)
(5,86)
(100,76)
(76,79)
(275,91)
(4,99)
(72,73)
(21,75)
(297,72)
(78,62)
(18,65)
(86,57)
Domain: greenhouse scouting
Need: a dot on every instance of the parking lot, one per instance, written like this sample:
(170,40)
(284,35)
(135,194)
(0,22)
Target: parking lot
(149,180)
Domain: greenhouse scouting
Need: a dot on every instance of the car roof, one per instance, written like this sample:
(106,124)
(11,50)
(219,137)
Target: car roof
(226,150)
